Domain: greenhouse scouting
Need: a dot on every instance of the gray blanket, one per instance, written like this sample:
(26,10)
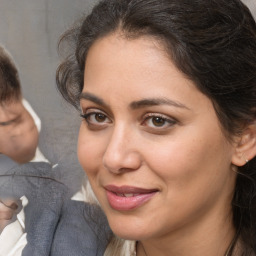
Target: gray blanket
(55,225)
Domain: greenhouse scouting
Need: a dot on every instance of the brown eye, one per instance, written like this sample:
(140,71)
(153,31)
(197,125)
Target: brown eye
(100,117)
(96,118)
(158,121)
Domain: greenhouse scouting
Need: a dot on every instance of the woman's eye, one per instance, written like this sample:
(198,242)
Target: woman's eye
(96,118)
(100,118)
(159,122)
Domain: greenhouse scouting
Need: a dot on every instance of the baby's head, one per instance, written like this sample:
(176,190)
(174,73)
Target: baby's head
(18,132)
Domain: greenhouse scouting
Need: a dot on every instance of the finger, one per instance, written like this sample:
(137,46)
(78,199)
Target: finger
(3,224)
(9,203)
(6,215)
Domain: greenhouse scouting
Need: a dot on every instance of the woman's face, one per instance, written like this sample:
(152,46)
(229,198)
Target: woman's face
(151,143)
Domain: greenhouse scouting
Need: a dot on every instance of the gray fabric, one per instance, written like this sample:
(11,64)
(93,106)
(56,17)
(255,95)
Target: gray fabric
(28,179)
(82,231)
(74,228)
(46,196)
(6,164)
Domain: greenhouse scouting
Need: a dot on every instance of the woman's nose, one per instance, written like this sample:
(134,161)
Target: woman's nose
(122,152)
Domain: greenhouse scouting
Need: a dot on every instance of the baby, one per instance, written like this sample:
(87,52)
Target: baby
(19,129)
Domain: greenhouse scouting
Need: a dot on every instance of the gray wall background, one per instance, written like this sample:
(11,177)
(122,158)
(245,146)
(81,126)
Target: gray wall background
(30,30)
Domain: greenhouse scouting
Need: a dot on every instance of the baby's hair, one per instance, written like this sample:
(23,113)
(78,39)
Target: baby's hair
(10,88)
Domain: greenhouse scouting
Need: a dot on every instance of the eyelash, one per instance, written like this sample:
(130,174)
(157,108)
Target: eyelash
(87,116)
(167,122)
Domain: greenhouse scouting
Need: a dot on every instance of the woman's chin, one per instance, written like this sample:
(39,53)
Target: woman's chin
(129,230)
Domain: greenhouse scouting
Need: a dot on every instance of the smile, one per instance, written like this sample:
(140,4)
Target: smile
(127,198)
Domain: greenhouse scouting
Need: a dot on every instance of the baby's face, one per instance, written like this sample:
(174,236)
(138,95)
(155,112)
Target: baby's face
(18,132)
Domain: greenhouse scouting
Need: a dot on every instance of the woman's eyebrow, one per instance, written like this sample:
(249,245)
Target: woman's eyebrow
(93,98)
(135,104)
(156,101)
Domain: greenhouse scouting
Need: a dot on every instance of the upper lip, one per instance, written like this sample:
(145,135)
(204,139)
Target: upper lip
(129,189)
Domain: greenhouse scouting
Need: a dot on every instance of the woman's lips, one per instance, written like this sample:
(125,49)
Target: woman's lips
(127,198)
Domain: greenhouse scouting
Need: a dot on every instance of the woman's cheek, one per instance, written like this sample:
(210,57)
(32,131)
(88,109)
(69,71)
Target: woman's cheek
(82,149)
(88,151)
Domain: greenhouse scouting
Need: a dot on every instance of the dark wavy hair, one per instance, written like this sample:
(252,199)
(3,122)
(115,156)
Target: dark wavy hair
(213,42)
(10,88)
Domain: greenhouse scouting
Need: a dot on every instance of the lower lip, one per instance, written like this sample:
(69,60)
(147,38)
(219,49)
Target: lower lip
(121,203)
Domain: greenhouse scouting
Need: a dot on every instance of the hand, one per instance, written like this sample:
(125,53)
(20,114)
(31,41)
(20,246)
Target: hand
(18,132)
(7,210)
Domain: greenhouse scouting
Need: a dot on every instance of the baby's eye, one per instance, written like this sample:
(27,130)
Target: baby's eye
(158,121)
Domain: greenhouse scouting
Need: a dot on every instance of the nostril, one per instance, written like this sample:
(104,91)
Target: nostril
(112,162)
(121,162)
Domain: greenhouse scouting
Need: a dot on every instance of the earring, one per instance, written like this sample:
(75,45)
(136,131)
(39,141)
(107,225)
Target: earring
(245,159)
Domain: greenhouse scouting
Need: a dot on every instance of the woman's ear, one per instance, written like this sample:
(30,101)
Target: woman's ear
(245,146)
